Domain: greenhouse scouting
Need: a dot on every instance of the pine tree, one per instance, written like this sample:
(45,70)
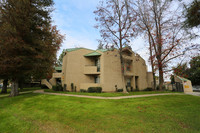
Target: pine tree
(28,42)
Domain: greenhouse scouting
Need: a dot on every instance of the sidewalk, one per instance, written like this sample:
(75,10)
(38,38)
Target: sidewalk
(193,93)
(98,97)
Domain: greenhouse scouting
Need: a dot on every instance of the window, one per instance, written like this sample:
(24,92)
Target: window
(97,79)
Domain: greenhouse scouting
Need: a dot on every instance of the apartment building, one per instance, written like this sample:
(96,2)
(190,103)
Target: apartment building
(101,68)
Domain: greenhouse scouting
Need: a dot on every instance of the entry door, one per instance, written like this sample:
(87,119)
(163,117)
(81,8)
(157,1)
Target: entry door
(136,82)
(128,82)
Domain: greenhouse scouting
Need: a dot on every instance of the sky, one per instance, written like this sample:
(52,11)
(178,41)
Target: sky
(75,19)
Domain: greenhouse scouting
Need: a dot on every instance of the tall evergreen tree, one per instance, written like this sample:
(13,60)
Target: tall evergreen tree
(28,42)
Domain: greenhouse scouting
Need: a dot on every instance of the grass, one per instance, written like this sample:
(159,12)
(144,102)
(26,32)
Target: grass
(114,94)
(49,113)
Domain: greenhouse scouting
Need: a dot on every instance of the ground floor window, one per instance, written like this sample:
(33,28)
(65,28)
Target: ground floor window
(97,79)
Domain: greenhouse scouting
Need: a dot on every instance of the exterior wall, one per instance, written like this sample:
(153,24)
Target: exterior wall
(150,79)
(140,70)
(187,85)
(73,68)
(111,71)
(80,70)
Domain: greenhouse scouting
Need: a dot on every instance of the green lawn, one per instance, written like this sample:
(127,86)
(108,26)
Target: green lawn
(49,113)
(112,94)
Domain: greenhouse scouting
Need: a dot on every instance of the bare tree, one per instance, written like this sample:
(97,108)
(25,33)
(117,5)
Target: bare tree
(162,21)
(116,22)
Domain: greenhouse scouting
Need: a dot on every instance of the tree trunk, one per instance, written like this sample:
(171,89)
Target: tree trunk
(161,81)
(152,64)
(14,88)
(154,81)
(5,83)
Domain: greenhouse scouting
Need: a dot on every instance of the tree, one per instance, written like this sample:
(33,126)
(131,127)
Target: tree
(60,59)
(100,45)
(192,73)
(163,25)
(28,42)
(152,61)
(181,70)
(192,14)
(116,22)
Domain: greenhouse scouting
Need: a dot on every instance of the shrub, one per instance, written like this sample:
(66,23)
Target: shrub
(137,89)
(148,89)
(65,87)
(57,88)
(116,88)
(43,86)
(54,88)
(60,88)
(83,90)
(98,89)
(157,87)
(131,89)
(119,90)
(72,87)
(94,89)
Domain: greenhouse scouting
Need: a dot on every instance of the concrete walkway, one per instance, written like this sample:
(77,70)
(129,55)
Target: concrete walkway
(99,97)
(193,93)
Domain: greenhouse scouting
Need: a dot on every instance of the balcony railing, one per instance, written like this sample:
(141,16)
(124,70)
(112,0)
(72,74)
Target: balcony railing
(91,70)
(57,75)
(128,73)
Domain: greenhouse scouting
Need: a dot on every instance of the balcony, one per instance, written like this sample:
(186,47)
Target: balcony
(91,70)
(128,73)
(57,75)
(87,85)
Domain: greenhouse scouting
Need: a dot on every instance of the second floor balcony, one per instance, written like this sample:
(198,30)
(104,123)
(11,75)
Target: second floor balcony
(57,75)
(91,70)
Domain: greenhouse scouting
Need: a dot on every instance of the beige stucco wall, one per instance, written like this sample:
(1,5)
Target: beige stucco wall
(187,85)
(77,69)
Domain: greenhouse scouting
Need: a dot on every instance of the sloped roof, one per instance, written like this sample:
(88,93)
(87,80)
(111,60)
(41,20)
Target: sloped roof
(58,68)
(72,49)
(93,54)
(102,50)
(181,78)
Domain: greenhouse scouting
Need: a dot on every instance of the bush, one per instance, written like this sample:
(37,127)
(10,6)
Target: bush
(94,89)
(98,89)
(72,87)
(43,86)
(83,90)
(57,88)
(148,89)
(54,88)
(65,87)
(119,90)
(60,88)
(137,89)
(131,89)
